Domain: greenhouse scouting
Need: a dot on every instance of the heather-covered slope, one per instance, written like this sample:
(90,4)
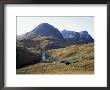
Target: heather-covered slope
(75,59)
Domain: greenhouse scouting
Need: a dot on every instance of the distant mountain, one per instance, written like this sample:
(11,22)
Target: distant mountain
(77,37)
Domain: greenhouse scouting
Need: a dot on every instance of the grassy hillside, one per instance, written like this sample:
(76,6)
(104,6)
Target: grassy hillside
(74,59)
(74,52)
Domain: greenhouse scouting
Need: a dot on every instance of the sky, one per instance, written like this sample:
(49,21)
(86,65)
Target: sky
(71,23)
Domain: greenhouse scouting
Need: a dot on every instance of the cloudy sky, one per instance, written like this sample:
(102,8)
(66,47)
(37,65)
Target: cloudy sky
(85,23)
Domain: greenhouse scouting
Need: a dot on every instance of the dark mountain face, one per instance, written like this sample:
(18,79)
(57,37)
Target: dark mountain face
(85,37)
(48,30)
(77,37)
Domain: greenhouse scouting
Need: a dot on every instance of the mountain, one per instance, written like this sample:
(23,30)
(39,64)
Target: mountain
(73,37)
(47,36)
(44,29)
(42,36)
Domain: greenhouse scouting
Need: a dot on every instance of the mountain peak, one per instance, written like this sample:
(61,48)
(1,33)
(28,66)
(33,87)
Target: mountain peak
(44,24)
(44,29)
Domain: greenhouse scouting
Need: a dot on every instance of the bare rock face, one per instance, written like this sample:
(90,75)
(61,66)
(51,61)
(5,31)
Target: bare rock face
(77,37)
